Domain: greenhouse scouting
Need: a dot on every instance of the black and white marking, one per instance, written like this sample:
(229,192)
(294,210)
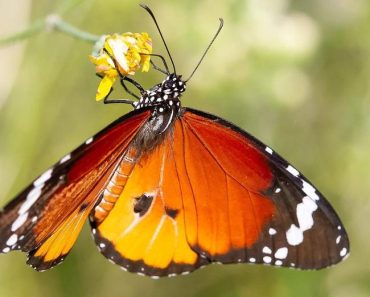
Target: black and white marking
(168,92)
(310,211)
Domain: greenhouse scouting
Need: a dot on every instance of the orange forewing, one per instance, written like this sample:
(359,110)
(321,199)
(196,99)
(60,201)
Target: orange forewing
(227,185)
(88,175)
(65,199)
(203,204)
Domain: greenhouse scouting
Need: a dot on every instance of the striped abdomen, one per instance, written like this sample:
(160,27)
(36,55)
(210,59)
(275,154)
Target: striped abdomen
(115,185)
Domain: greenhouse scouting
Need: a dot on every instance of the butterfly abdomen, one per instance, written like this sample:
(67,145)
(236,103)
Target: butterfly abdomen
(116,184)
(150,136)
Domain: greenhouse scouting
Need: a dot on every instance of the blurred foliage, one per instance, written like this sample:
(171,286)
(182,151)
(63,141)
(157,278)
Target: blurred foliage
(296,74)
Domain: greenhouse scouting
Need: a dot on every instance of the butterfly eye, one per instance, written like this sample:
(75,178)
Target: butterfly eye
(142,204)
(167,85)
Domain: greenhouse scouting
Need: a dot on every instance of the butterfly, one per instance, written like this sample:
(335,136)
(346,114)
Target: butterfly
(168,189)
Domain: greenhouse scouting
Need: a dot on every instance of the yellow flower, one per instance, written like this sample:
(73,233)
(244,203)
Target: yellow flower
(129,51)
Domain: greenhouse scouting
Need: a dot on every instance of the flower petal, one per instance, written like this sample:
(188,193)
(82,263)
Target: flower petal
(129,51)
(104,87)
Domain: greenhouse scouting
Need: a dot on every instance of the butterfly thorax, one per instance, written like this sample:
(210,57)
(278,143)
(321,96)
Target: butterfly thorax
(166,93)
(164,102)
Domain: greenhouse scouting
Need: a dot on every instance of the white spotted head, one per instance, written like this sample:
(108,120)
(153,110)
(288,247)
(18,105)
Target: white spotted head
(168,92)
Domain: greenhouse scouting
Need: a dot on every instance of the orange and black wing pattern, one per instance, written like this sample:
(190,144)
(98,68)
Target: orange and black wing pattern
(46,218)
(169,189)
(209,192)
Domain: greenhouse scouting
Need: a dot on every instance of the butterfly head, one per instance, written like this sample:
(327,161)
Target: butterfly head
(165,96)
(168,92)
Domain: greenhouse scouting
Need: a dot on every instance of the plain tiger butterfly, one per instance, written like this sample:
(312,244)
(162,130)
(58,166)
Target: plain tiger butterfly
(168,189)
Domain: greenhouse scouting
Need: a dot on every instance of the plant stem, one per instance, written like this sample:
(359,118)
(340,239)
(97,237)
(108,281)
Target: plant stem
(50,23)
(55,22)
(35,28)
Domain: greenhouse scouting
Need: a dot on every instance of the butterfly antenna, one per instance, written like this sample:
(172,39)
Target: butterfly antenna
(207,49)
(160,33)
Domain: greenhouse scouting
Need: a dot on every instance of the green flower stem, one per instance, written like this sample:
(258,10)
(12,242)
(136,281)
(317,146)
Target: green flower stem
(35,28)
(55,22)
(52,22)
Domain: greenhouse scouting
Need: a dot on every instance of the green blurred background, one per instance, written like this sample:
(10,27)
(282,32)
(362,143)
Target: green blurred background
(296,74)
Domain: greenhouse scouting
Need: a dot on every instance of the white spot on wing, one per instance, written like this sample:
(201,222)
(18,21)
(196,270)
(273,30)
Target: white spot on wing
(278,262)
(292,170)
(281,253)
(294,235)
(65,159)
(43,178)
(304,213)
(343,252)
(267,259)
(89,140)
(310,191)
(102,245)
(6,250)
(338,239)
(272,231)
(19,222)
(32,196)
(269,150)
(266,250)
(12,240)
(252,260)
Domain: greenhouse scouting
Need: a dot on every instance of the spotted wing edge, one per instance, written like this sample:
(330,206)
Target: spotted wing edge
(292,174)
(35,196)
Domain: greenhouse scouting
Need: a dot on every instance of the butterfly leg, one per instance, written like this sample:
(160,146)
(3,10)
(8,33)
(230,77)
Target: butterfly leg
(167,72)
(134,82)
(122,80)
(157,68)
(126,101)
(125,78)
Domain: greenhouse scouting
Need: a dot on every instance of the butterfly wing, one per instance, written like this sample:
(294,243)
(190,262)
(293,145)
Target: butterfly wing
(46,218)
(301,230)
(145,230)
(210,192)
